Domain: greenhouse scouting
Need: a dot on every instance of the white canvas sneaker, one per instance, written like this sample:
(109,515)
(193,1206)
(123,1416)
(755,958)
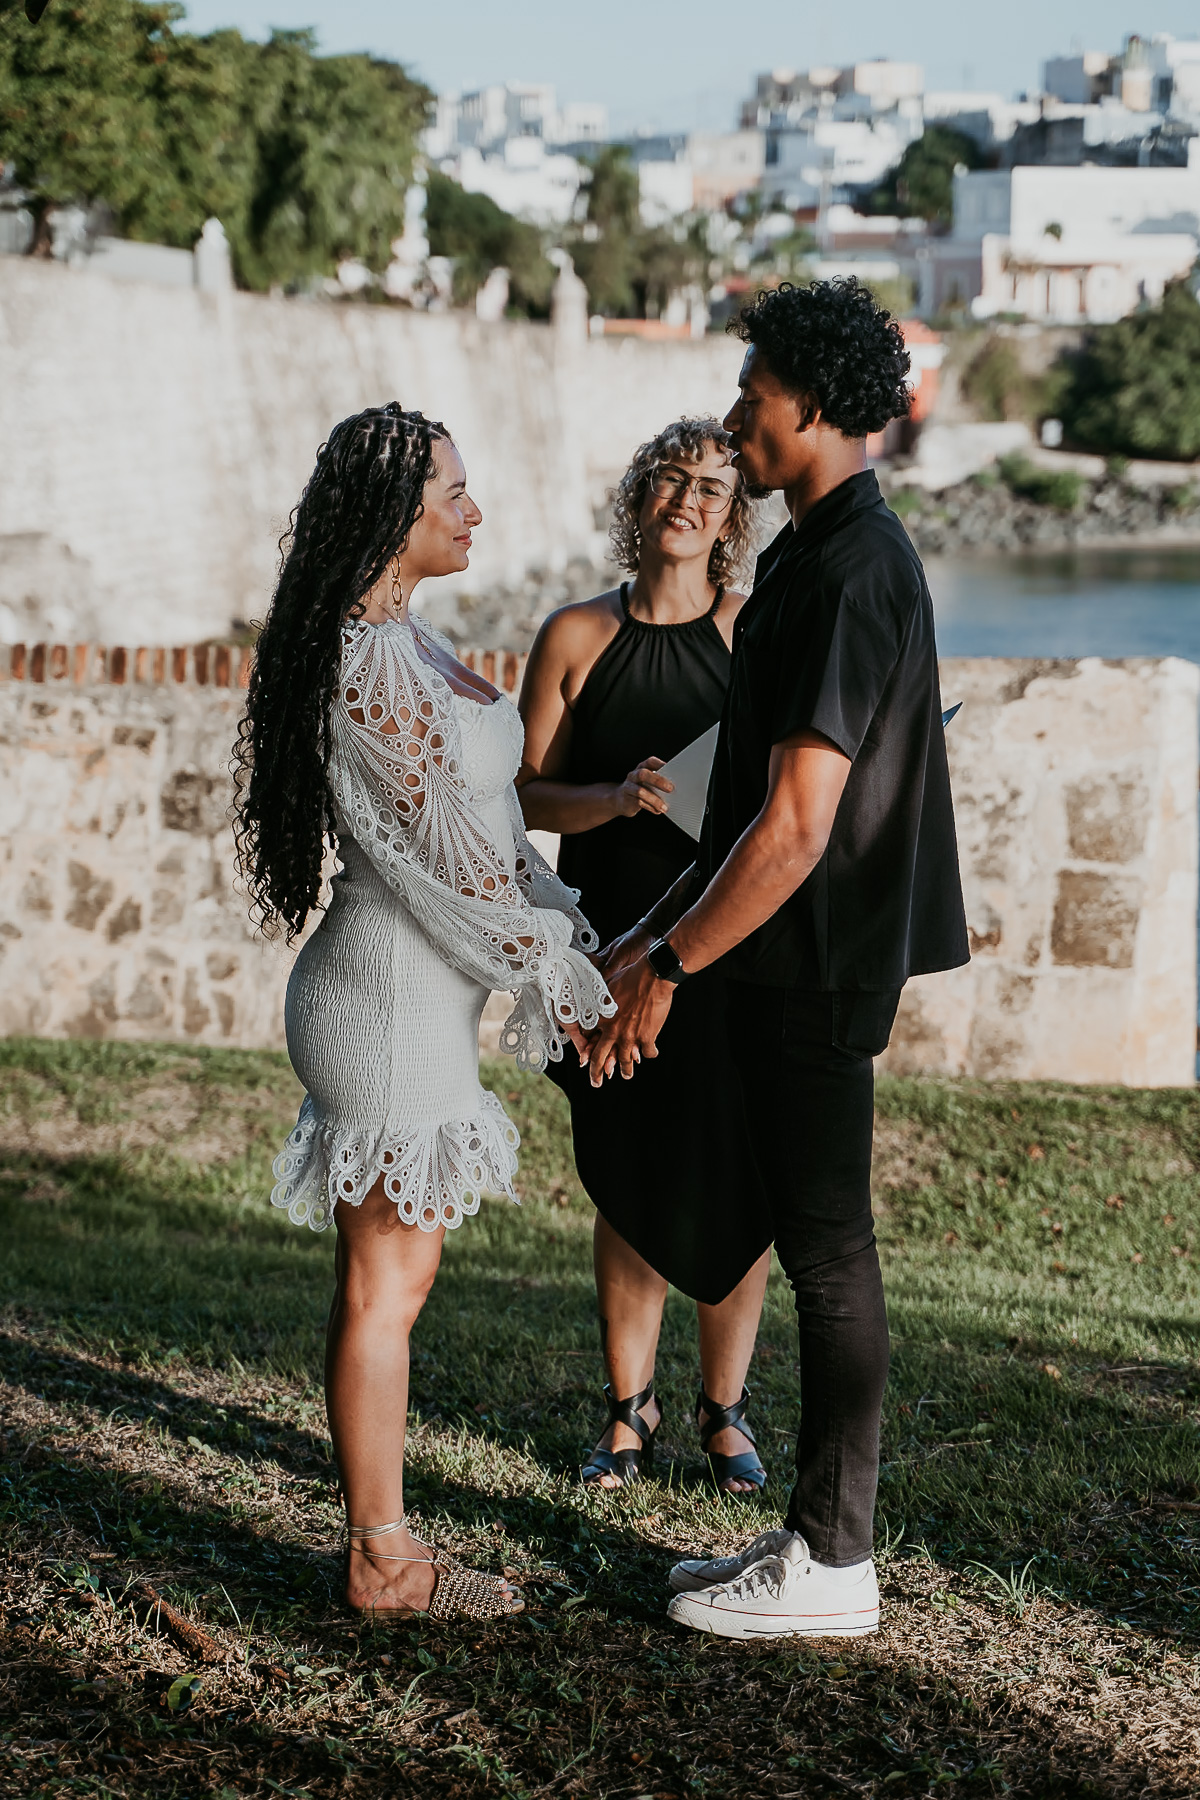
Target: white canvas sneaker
(690,1576)
(783,1595)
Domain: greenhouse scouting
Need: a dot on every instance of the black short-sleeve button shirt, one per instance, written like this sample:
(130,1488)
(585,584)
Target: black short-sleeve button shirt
(837,637)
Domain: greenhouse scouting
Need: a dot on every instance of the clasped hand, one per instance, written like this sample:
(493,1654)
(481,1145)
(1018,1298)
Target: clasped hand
(643,1002)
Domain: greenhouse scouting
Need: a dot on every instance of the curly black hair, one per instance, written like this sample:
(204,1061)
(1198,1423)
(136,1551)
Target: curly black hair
(360,504)
(833,340)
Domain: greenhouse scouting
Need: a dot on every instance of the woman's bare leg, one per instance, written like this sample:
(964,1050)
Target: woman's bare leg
(727,1334)
(630,1295)
(384,1271)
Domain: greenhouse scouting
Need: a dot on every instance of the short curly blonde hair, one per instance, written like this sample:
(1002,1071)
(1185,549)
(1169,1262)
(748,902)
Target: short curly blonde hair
(685,440)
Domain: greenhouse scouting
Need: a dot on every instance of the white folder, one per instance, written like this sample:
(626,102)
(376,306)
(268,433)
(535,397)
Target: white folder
(690,771)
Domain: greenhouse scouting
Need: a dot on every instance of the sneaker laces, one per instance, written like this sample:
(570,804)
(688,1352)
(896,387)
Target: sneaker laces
(768,1576)
(765,1544)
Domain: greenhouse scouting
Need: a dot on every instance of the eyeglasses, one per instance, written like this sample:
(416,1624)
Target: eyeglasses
(711,496)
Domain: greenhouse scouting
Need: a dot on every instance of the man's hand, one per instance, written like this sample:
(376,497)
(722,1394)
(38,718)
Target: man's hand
(570,1028)
(643,1002)
(623,952)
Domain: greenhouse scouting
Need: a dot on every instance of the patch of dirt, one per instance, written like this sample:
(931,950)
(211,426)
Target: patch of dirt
(906,1155)
(199,1122)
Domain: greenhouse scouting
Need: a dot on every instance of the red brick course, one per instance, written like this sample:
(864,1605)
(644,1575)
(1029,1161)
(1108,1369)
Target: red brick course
(186,665)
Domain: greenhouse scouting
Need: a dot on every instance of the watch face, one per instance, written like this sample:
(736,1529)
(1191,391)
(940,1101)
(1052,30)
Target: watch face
(664,961)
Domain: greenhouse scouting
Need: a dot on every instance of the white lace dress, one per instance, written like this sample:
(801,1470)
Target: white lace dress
(440,898)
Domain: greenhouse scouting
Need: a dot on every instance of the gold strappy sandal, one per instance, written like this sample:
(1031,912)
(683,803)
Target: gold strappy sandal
(458,1593)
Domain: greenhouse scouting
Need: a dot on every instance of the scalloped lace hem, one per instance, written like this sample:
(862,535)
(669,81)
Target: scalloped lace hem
(435,1174)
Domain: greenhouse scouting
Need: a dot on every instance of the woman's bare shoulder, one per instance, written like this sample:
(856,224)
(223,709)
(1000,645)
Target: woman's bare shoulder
(581,628)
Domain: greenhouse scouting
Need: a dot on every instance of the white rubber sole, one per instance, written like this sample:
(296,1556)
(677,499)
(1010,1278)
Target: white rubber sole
(739,1622)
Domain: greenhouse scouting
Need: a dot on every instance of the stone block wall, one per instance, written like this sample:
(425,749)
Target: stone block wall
(1075,791)
(120,916)
(118,912)
(1075,787)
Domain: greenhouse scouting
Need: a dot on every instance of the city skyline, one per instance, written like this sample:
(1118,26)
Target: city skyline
(665,70)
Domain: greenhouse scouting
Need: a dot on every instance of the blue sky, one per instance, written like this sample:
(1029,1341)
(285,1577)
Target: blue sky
(686,63)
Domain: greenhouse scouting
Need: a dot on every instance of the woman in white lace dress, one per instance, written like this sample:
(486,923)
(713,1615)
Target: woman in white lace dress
(363,732)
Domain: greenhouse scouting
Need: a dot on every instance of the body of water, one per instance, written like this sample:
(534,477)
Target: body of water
(1077,603)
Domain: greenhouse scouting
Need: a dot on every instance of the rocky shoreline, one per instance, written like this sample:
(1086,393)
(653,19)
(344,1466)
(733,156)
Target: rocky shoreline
(986,515)
(977,517)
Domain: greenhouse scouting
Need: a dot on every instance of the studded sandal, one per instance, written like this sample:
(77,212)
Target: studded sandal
(722,1468)
(625,1465)
(458,1592)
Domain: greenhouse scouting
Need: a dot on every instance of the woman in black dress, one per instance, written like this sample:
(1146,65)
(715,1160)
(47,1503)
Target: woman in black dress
(616,686)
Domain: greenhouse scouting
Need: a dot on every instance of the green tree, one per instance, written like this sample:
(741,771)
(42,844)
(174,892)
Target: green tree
(78,112)
(606,247)
(1134,388)
(921,186)
(631,269)
(481,236)
(997,384)
(669,258)
(304,158)
(329,143)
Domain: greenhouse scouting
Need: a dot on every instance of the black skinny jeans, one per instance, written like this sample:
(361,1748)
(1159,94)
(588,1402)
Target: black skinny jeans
(804,1060)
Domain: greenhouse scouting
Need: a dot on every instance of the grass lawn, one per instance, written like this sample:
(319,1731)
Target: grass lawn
(161,1343)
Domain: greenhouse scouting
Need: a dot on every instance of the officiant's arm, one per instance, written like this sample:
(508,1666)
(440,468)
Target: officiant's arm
(774,855)
(563,652)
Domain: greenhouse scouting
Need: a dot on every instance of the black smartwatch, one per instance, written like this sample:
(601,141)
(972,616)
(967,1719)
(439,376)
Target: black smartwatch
(665,963)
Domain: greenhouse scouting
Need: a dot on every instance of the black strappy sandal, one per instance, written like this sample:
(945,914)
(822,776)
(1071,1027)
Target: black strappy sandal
(626,1465)
(745,1467)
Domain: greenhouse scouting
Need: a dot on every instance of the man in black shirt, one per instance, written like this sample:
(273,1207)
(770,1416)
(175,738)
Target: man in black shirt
(827,874)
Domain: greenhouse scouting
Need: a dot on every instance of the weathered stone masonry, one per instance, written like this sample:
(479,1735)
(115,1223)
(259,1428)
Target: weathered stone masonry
(118,916)
(1075,790)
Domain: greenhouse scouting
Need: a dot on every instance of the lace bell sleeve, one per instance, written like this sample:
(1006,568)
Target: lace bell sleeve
(541,885)
(536,879)
(399,791)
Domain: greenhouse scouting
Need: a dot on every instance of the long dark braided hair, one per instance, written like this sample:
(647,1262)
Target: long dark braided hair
(355,515)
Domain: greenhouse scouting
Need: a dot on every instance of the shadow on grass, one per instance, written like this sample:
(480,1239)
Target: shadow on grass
(888,1719)
(152,1516)
(988,1458)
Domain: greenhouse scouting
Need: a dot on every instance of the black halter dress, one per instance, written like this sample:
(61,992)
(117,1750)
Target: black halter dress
(665,1157)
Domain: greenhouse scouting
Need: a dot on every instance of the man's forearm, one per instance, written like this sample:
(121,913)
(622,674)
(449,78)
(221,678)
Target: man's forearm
(670,909)
(764,868)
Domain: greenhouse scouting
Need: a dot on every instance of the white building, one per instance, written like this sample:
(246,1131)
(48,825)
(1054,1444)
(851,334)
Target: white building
(666,190)
(725,165)
(988,118)
(1175,68)
(1156,74)
(699,171)
(1063,245)
(1078,80)
(490,117)
(513,142)
(524,177)
(829,132)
